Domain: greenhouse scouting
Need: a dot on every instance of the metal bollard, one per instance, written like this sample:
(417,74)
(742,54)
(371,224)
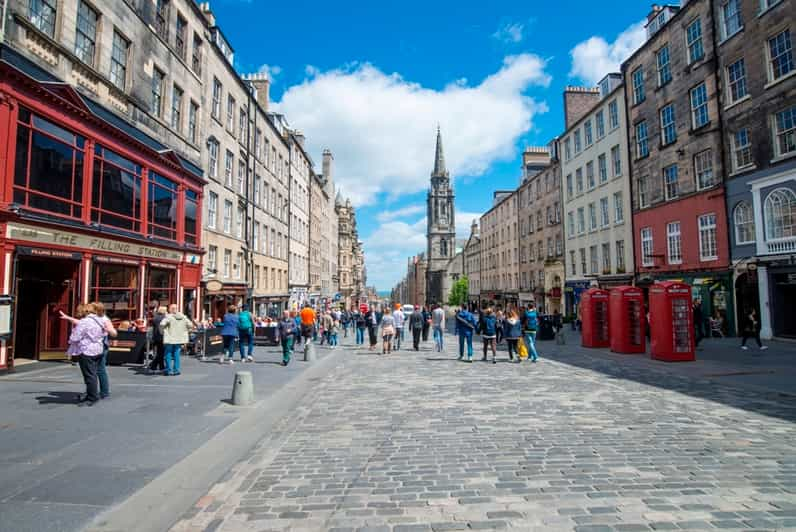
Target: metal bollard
(309,350)
(243,388)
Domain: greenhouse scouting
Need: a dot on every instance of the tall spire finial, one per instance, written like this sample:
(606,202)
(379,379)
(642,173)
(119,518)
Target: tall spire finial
(439,160)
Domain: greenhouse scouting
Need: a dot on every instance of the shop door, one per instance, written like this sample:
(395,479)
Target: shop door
(44,288)
(784,293)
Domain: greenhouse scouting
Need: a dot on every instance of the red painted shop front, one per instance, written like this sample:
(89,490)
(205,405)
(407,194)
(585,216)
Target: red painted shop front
(87,213)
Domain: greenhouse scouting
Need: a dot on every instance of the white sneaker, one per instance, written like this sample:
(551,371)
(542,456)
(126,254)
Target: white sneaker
(249,358)
(763,347)
(744,347)
(231,361)
(221,359)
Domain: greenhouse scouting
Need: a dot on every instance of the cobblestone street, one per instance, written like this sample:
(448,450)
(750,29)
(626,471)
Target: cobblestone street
(420,441)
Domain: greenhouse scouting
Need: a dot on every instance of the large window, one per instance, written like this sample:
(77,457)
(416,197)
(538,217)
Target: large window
(780,214)
(579,180)
(741,149)
(730,16)
(744,221)
(590,175)
(664,68)
(116,287)
(119,52)
(708,249)
(212,210)
(674,248)
(581,220)
(593,260)
(587,133)
(191,217)
(638,86)
(567,149)
(646,247)
(780,55)
(229,164)
(196,55)
(227,216)
(193,112)
(605,218)
(599,120)
(162,19)
(176,108)
(161,287)
(670,181)
(48,169)
(156,96)
(668,127)
(116,194)
(86,34)
(592,217)
(582,261)
(42,15)
(694,41)
(620,256)
(571,224)
(212,154)
(569,186)
(785,131)
(606,258)
(216,109)
(619,210)
(162,207)
(602,168)
(736,80)
(613,114)
(231,115)
(643,193)
(642,142)
(699,106)
(703,168)
(179,38)
(576,136)
(616,159)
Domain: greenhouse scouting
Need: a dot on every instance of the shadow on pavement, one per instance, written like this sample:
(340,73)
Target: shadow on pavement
(58,398)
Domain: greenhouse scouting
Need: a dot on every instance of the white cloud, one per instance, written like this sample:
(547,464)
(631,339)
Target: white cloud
(272,70)
(394,241)
(381,127)
(593,58)
(402,212)
(511,32)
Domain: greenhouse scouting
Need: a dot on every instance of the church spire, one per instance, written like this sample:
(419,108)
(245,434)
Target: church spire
(439,160)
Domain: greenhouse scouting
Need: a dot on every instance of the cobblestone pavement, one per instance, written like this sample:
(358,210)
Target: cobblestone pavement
(420,441)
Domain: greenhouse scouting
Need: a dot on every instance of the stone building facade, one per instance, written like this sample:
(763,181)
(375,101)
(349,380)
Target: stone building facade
(541,239)
(757,72)
(472,264)
(348,242)
(499,251)
(676,165)
(323,235)
(596,192)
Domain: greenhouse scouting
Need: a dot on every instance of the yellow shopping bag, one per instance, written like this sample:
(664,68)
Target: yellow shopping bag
(522,351)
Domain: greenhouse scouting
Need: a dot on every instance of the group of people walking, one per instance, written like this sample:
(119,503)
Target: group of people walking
(515,326)
(394,323)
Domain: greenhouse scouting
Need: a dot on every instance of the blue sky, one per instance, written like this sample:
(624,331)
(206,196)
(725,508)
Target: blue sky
(371,81)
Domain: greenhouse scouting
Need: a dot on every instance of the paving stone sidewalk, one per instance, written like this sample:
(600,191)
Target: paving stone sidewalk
(420,441)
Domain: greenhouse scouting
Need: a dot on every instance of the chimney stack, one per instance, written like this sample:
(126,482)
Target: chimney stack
(208,13)
(328,161)
(262,84)
(577,102)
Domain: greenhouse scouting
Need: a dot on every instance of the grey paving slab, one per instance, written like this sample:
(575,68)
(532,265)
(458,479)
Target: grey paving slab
(579,441)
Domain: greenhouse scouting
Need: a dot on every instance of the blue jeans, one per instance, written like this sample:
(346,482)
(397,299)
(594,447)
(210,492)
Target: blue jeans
(245,340)
(172,356)
(530,339)
(360,335)
(229,345)
(466,337)
(333,339)
(438,337)
(102,374)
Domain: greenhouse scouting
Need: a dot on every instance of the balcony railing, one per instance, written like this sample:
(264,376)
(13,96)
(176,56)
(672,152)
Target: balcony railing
(780,246)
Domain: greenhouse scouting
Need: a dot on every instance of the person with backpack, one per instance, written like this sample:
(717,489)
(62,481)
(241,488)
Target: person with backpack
(286,331)
(229,332)
(345,321)
(487,326)
(438,324)
(531,324)
(416,322)
(426,323)
(246,334)
(359,323)
(465,327)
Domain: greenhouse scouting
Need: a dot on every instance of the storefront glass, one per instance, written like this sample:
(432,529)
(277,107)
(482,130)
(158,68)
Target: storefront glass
(162,207)
(116,194)
(116,286)
(161,287)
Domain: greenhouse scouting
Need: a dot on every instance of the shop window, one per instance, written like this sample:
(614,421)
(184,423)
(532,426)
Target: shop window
(48,172)
(161,287)
(116,193)
(191,210)
(162,207)
(116,286)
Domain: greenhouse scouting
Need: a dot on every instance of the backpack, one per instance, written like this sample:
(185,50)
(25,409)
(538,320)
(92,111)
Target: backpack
(531,320)
(245,321)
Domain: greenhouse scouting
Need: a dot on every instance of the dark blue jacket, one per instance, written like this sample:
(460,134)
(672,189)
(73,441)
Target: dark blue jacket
(512,332)
(465,323)
(488,325)
(230,327)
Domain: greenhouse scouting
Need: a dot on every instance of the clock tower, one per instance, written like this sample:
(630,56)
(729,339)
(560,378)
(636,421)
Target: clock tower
(441,227)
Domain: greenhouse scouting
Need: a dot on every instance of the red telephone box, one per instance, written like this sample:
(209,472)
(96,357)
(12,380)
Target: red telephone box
(671,322)
(594,318)
(626,307)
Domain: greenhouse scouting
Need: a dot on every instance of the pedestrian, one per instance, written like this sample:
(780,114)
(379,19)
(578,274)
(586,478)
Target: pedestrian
(752,330)
(512,330)
(465,326)
(335,330)
(307,323)
(176,329)
(345,321)
(487,326)
(438,324)
(246,334)
(157,340)
(698,332)
(102,369)
(360,325)
(387,331)
(229,332)
(86,343)
(286,333)
(426,323)
(400,319)
(371,321)
(499,320)
(531,324)
(416,322)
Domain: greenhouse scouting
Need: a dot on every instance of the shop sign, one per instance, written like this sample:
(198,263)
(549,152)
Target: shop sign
(48,253)
(76,240)
(163,265)
(115,260)
(214,285)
